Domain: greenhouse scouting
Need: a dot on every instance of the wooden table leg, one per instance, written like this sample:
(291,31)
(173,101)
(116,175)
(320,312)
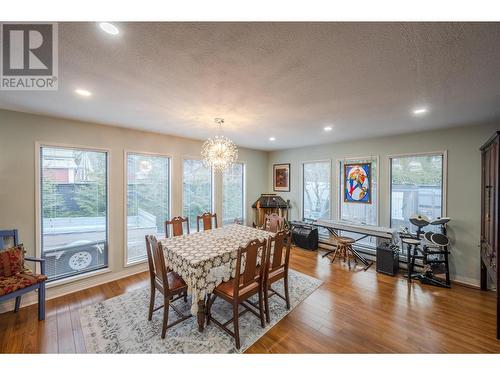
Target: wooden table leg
(408,261)
(201,315)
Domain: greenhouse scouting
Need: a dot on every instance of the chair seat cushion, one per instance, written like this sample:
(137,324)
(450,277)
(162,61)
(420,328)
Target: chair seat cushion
(12,261)
(9,284)
(175,281)
(227,288)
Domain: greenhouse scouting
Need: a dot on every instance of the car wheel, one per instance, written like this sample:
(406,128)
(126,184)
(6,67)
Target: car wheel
(80,260)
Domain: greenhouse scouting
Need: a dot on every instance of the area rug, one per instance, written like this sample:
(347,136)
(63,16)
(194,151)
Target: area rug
(120,324)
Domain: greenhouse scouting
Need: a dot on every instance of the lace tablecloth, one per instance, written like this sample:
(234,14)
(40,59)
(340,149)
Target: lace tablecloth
(206,259)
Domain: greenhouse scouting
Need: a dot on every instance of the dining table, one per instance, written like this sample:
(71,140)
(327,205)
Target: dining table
(206,259)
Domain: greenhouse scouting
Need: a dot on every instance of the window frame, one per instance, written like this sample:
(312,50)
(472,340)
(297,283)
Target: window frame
(126,153)
(444,192)
(38,211)
(244,193)
(212,183)
(340,193)
(302,189)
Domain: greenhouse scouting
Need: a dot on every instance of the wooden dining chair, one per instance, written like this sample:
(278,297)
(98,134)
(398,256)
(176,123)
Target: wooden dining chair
(277,261)
(170,284)
(243,286)
(273,222)
(177,224)
(206,220)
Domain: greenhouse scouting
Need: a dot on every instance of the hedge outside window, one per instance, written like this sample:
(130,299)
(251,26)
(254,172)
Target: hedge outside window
(74,210)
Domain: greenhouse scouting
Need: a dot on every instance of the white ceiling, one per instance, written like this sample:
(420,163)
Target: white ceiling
(286,80)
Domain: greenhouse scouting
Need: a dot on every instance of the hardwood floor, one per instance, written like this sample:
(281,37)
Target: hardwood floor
(352,312)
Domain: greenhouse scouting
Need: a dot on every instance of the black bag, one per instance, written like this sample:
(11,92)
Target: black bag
(305,236)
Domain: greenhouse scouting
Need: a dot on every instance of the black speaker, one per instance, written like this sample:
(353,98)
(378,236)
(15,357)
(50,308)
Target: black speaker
(305,236)
(387,259)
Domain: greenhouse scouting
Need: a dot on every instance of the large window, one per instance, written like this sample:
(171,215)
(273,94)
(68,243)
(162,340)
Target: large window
(416,187)
(233,190)
(147,201)
(73,198)
(316,190)
(197,190)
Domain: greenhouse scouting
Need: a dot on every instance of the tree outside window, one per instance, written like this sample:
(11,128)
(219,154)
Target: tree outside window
(197,190)
(233,193)
(316,190)
(416,188)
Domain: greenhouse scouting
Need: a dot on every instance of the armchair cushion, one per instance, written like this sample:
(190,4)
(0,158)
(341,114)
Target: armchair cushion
(12,261)
(9,284)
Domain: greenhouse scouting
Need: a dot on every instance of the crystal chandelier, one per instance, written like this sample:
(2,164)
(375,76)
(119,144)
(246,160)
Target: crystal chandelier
(219,152)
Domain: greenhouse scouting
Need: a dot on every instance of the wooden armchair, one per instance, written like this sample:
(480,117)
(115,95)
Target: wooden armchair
(206,220)
(177,224)
(15,278)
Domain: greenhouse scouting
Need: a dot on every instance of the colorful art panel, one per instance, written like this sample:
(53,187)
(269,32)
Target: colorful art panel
(358,183)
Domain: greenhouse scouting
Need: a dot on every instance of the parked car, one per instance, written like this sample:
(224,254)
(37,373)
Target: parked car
(75,257)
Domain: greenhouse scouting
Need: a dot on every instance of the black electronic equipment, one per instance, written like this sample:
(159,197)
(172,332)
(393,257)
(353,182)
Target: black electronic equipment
(387,259)
(433,252)
(305,235)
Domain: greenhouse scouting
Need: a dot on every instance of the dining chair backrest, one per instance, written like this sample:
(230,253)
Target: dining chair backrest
(177,224)
(206,220)
(273,222)
(278,251)
(250,255)
(157,269)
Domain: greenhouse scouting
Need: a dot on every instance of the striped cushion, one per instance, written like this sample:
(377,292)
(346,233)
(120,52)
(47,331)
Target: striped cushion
(12,261)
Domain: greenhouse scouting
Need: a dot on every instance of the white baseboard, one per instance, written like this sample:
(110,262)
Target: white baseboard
(465,281)
(61,290)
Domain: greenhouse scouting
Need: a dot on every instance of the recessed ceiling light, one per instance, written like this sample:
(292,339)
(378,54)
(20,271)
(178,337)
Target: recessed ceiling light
(109,28)
(272,139)
(83,92)
(328,128)
(420,111)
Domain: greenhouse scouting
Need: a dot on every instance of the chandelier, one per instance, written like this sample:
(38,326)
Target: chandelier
(219,152)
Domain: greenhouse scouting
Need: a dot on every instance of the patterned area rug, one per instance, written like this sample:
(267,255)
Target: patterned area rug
(120,324)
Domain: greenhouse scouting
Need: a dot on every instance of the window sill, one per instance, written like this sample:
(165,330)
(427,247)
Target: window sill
(51,284)
(135,263)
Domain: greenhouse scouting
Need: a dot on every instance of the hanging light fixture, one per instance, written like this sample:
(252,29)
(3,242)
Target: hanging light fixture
(219,152)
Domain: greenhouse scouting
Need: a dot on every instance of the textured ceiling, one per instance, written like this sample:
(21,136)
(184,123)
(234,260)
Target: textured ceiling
(287,80)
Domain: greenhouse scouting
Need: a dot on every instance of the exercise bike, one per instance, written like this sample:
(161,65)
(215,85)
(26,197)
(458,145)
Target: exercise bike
(432,249)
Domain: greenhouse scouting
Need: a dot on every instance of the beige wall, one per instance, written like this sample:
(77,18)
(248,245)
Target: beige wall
(463,193)
(18,134)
